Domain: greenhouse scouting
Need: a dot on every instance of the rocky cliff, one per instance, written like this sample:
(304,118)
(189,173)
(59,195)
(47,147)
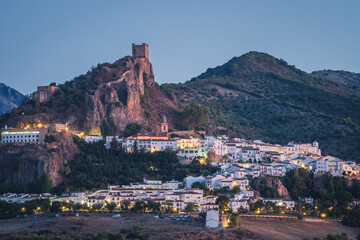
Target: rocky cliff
(119,100)
(21,164)
(121,93)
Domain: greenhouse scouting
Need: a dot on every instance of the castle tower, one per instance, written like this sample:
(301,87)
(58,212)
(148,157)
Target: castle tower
(140,50)
(316,144)
(164,125)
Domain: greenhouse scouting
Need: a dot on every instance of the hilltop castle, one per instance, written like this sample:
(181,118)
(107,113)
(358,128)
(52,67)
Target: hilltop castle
(44,93)
(140,50)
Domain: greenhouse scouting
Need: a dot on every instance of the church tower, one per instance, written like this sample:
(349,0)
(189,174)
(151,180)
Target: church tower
(164,125)
(316,144)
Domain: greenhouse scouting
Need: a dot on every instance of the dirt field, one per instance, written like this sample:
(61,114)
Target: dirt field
(268,229)
(272,229)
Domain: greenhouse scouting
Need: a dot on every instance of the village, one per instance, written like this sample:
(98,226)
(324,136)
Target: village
(239,161)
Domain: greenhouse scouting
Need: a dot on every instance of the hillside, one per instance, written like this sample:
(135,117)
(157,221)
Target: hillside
(258,96)
(347,79)
(9,98)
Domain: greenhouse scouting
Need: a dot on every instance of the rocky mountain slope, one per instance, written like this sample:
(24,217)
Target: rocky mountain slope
(258,96)
(21,165)
(347,79)
(9,98)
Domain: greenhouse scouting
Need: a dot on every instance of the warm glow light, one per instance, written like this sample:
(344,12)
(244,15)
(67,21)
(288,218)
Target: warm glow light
(323,215)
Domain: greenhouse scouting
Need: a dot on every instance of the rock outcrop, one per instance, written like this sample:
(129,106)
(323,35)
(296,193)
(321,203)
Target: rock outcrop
(272,182)
(120,100)
(21,164)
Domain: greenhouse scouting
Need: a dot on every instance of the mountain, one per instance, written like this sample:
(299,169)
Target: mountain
(254,96)
(9,98)
(347,79)
(258,96)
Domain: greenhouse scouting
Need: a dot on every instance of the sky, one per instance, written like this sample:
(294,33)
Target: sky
(54,41)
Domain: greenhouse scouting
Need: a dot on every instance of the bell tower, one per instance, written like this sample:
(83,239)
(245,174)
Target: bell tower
(164,125)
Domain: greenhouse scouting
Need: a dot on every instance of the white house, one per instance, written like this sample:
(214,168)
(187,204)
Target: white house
(212,219)
(189,180)
(93,138)
(234,204)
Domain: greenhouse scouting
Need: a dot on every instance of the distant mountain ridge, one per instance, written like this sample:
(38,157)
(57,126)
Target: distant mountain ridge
(344,78)
(9,98)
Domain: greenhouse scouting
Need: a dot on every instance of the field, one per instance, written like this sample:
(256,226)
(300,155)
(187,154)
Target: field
(272,229)
(169,229)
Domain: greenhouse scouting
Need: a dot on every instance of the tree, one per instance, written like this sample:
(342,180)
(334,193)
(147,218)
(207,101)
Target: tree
(194,115)
(223,202)
(56,207)
(114,144)
(236,189)
(191,207)
(111,206)
(233,220)
(199,185)
(352,218)
(131,129)
(355,188)
(153,206)
(124,205)
(8,210)
(139,206)
(108,128)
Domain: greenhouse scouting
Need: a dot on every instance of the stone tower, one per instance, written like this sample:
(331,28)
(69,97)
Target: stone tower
(164,125)
(140,50)
(316,144)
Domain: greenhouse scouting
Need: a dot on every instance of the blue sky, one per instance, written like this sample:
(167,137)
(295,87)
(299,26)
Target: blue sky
(54,41)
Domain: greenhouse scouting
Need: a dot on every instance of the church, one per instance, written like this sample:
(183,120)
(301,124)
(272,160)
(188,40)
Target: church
(162,135)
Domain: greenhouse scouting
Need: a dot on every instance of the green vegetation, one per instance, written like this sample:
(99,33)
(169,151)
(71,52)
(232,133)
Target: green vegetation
(10,210)
(108,128)
(352,218)
(257,96)
(267,191)
(96,167)
(191,207)
(233,220)
(342,236)
(131,129)
(194,116)
(332,195)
